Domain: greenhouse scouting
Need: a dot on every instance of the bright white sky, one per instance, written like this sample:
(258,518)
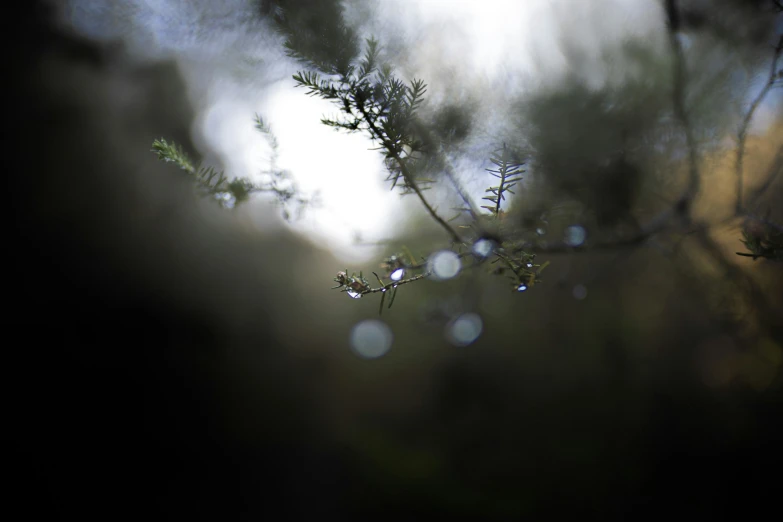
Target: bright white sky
(234,69)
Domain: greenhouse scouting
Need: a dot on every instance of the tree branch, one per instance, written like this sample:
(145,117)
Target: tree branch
(449,171)
(683,206)
(394,284)
(742,135)
(409,181)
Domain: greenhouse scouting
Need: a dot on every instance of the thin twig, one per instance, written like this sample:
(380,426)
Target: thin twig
(743,131)
(449,171)
(394,284)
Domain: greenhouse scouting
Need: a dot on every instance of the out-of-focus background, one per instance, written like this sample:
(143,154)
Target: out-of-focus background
(177,358)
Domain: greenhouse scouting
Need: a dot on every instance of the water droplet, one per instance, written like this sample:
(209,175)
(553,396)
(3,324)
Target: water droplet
(371,338)
(483,247)
(444,264)
(529,265)
(521,288)
(383,289)
(575,235)
(465,329)
(397,274)
(540,231)
(580,292)
(353,294)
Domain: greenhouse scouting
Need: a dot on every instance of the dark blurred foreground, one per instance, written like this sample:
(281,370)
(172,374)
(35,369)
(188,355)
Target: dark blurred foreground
(157,375)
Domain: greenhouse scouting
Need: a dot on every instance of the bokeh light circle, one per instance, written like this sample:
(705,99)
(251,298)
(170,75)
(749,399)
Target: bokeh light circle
(444,264)
(465,329)
(483,247)
(371,338)
(575,235)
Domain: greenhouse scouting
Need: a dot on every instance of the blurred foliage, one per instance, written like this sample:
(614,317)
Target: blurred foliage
(206,372)
(603,154)
(209,181)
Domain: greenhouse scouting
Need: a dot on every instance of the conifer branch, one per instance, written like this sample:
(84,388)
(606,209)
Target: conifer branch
(233,192)
(763,239)
(524,273)
(173,153)
(208,181)
(394,284)
(373,100)
(357,286)
(408,178)
(508,172)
